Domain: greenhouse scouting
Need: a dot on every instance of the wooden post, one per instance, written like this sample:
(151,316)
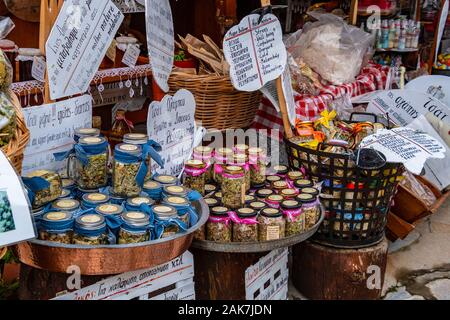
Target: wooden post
(353,16)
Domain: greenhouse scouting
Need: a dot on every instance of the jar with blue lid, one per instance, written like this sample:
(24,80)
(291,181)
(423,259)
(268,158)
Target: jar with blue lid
(177,191)
(38,214)
(167,222)
(166,180)
(135,228)
(127,166)
(67,205)
(81,192)
(65,194)
(114,198)
(92,200)
(134,204)
(68,184)
(153,189)
(57,226)
(90,230)
(139,139)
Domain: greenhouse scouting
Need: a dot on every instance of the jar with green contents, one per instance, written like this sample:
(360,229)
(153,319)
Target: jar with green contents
(48,189)
(218,227)
(167,221)
(92,200)
(295,219)
(182,205)
(127,164)
(263,194)
(90,230)
(91,161)
(134,204)
(195,175)
(311,209)
(258,166)
(233,187)
(222,158)
(135,228)
(272,225)
(57,226)
(139,139)
(241,160)
(245,225)
(204,154)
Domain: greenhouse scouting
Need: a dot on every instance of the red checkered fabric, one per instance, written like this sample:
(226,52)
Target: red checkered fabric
(373,77)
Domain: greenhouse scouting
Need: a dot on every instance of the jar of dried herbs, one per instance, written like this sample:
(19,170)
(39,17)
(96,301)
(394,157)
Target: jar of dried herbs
(245,225)
(90,230)
(311,209)
(92,200)
(241,160)
(134,204)
(195,175)
(257,206)
(312,191)
(295,219)
(288,193)
(84,133)
(270,180)
(222,158)
(200,234)
(109,209)
(135,228)
(127,166)
(67,205)
(258,166)
(274,201)
(51,187)
(65,194)
(218,227)
(182,205)
(139,139)
(204,154)
(210,189)
(272,225)
(233,187)
(277,186)
(263,194)
(166,180)
(153,189)
(56,227)
(167,223)
(249,199)
(178,191)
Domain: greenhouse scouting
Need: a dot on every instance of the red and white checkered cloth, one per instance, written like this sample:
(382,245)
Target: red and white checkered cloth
(308,107)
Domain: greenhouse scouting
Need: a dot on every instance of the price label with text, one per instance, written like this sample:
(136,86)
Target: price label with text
(38,69)
(131,55)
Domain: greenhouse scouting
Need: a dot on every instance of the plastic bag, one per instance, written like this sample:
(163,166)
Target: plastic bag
(332,48)
(418,189)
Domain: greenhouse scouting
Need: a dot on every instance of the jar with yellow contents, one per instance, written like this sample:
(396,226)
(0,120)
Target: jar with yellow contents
(195,175)
(233,187)
(57,226)
(135,228)
(90,230)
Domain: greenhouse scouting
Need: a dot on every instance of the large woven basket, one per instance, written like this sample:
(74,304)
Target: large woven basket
(14,150)
(219,105)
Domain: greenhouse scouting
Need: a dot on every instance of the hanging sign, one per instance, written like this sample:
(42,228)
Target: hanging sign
(38,69)
(16,224)
(52,127)
(129,6)
(77,44)
(255,52)
(160,40)
(405,145)
(131,55)
(171,123)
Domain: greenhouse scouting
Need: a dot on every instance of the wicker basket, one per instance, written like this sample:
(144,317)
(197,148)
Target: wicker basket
(14,150)
(219,105)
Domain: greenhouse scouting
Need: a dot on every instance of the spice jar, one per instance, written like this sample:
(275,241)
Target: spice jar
(241,160)
(166,180)
(271,179)
(262,194)
(222,157)
(257,206)
(92,200)
(25,59)
(312,191)
(182,205)
(200,234)
(303,183)
(311,209)
(281,171)
(274,201)
(362,130)
(56,227)
(167,222)
(153,189)
(134,204)
(212,202)
(272,225)
(210,189)
(245,225)
(295,219)
(249,199)
(294,176)
(288,193)
(109,209)
(71,206)
(114,198)
(233,187)
(218,195)
(127,164)
(50,190)
(277,186)
(91,154)
(139,139)
(258,167)
(204,154)
(90,230)
(65,194)
(135,228)
(343,135)
(178,191)
(218,227)
(195,175)
(122,44)
(84,133)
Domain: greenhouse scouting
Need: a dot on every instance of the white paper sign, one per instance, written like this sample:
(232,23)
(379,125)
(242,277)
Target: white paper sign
(77,44)
(129,6)
(52,127)
(405,145)
(16,224)
(160,40)
(256,53)
(436,86)
(38,69)
(131,55)
(171,123)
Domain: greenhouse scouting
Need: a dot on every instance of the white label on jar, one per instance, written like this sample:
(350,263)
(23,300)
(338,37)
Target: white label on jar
(131,55)
(273,233)
(38,69)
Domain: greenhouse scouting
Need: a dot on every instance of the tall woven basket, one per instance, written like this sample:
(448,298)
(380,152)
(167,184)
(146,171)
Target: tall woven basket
(219,105)
(15,148)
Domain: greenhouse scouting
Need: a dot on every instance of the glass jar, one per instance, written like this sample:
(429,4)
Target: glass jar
(166,180)
(25,59)
(218,195)
(56,227)
(303,183)
(245,225)
(68,184)
(362,130)
(67,205)
(218,227)
(134,204)
(114,198)
(288,194)
(281,171)
(241,149)
(195,175)
(109,209)
(249,199)
(135,228)
(167,217)
(139,139)
(277,186)
(38,214)
(65,194)
(271,179)
(127,163)
(210,189)
(85,133)
(257,206)
(241,160)
(181,204)
(272,225)
(312,191)
(122,44)
(263,194)
(91,164)
(311,209)
(48,194)
(258,166)
(90,230)
(204,154)
(120,128)
(92,200)
(233,187)
(294,176)
(178,191)
(343,135)
(222,157)
(295,219)
(200,234)
(274,201)
(153,189)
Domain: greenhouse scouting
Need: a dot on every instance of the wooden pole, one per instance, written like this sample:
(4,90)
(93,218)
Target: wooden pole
(353,16)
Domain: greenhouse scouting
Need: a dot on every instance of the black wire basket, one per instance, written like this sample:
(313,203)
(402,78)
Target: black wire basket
(357,191)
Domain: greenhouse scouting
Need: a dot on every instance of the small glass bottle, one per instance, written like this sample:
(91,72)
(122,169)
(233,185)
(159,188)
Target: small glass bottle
(195,175)
(218,227)
(120,128)
(135,228)
(258,166)
(295,219)
(245,227)
(272,225)
(90,230)
(57,227)
(125,170)
(233,187)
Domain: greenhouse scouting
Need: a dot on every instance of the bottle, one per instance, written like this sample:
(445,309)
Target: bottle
(415,38)
(391,35)
(402,40)
(121,127)
(384,34)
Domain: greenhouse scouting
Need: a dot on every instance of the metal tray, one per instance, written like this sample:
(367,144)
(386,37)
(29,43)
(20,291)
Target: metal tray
(253,247)
(108,260)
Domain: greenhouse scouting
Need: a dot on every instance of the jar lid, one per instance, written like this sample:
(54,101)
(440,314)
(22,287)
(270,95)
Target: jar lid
(65,194)
(291,204)
(257,205)
(66,205)
(210,188)
(241,148)
(281,169)
(234,170)
(281,184)
(95,197)
(306,198)
(91,222)
(165,212)
(57,216)
(225,151)
(218,195)
(40,173)
(126,40)
(312,191)
(303,183)
(249,198)
(258,186)
(176,201)
(67,183)
(219,211)
(176,190)
(275,197)
(295,175)
(135,138)
(109,209)
(288,192)
(165,179)
(271,179)
(83,191)
(6,44)
(137,201)
(264,193)
(129,148)
(271,213)
(256,151)
(151,185)
(91,141)
(136,218)
(211,202)
(39,211)
(30,52)
(246,213)
(203,150)
(195,164)
(87,132)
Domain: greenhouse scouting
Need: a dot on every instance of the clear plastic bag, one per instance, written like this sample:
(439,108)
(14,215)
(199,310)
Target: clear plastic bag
(420,190)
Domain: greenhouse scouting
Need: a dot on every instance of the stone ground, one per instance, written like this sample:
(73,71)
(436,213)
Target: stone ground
(418,267)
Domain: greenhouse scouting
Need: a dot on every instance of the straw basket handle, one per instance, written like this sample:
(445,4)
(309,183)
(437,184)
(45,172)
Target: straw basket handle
(3,252)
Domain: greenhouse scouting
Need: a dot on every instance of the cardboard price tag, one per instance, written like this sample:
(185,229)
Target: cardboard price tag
(38,69)
(131,55)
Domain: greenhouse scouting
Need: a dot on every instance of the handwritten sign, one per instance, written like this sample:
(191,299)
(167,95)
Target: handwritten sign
(38,69)
(255,52)
(52,127)
(436,86)
(131,55)
(77,44)
(129,6)
(160,40)
(171,123)
(405,145)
